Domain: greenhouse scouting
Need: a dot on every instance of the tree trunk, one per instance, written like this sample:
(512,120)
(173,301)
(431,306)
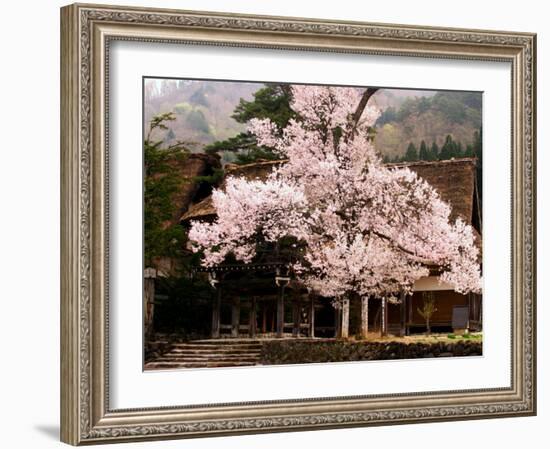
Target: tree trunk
(384,318)
(344,317)
(364,317)
(428,328)
(369,92)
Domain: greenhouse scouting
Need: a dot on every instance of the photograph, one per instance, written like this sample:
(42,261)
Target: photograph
(288,223)
(341,210)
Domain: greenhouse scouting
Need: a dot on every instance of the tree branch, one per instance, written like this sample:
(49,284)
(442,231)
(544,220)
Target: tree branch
(369,92)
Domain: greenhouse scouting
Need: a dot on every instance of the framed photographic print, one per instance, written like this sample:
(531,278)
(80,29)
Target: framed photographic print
(279,224)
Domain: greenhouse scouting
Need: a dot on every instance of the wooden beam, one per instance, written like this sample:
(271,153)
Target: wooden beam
(216,313)
(403,314)
(384,319)
(337,322)
(235,316)
(281,312)
(148,304)
(252,324)
(296,318)
(410,313)
(264,318)
(312,316)
(364,317)
(344,319)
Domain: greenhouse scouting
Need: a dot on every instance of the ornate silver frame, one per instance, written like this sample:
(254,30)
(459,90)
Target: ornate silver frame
(86,32)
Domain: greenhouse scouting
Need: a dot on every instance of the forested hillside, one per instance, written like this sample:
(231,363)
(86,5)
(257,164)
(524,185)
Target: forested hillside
(202,109)
(432,120)
(212,115)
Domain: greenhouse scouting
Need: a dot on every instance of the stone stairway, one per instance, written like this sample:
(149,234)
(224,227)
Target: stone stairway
(208,354)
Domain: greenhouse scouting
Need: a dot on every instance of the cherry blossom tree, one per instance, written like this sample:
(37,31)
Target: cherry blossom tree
(363,229)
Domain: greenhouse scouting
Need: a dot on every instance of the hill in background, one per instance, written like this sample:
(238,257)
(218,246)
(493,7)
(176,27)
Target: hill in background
(429,119)
(204,109)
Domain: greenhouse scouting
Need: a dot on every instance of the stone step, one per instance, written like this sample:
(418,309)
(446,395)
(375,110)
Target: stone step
(171,365)
(227,341)
(199,346)
(206,359)
(215,351)
(209,354)
(212,354)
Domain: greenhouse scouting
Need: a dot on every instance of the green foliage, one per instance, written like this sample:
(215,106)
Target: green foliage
(272,102)
(387,116)
(411,154)
(451,105)
(450,149)
(434,152)
(254,154)
(182,108)
(199,97)
(197,121)
(161,182)
(428,309)
(213,179)
(423,153)
(183,306)
(426,118)
(292,351)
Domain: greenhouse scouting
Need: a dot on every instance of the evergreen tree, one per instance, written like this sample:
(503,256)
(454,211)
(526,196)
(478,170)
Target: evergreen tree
(434,152)
(423,154)
(411,154)
(161,183)
(272,102)
(448,148)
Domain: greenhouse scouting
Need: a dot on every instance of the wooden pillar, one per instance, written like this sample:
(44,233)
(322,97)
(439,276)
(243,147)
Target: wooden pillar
(312,316)
(337,322)
(216,312)
(480,313)
(252,319)
(149,275)
(296,318)
(344,319)
(403,314)
(384,318)
(264,317)
(235,316)
(281,311)
(364,317)
(410,313)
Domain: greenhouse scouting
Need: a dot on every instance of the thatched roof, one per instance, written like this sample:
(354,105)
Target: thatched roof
(454,179)
(188,168)
(205,209)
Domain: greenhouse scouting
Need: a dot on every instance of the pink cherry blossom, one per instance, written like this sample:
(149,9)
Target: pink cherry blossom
(365,228)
